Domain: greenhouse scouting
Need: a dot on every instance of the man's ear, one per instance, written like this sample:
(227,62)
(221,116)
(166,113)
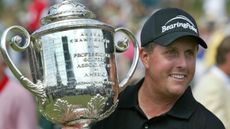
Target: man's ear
(144,56)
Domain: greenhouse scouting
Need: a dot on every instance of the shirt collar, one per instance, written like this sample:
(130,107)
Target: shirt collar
(183,108)
(130,92)
(185,105)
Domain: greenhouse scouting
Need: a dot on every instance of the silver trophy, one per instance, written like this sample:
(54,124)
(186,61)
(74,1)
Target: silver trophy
(73,64)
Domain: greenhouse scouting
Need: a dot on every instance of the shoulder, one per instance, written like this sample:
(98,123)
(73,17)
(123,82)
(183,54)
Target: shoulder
(209,120)
(129,95)
(132,89)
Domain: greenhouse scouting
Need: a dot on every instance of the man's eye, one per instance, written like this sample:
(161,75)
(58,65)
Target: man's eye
(190,53)
(171,52)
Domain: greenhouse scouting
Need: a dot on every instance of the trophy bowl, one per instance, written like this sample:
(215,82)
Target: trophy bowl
(72,62)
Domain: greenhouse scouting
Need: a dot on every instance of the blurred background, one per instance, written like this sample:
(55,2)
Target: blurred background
(212,17)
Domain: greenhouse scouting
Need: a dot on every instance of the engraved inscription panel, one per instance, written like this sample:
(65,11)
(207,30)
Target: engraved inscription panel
(79,58)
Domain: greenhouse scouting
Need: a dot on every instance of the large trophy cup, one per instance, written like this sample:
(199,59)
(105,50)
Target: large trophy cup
(73,64)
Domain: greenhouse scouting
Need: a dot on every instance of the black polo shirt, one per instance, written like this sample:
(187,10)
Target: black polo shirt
(187,113)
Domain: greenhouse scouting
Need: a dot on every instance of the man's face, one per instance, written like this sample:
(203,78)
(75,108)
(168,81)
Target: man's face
(170,69)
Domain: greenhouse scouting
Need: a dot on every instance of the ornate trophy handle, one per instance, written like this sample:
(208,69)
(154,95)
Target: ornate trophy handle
(16,39)
(123,46)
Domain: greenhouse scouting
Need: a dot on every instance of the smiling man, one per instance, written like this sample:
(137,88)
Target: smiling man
(163,98)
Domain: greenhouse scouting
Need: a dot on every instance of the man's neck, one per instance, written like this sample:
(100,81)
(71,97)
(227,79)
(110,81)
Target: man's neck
(153,104)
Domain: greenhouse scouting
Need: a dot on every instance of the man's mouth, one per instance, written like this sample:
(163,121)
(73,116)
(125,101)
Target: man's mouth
(178,76)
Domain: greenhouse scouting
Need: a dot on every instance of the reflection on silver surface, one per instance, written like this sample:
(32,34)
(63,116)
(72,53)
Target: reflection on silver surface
(72,62)
(76,65)
(77,61)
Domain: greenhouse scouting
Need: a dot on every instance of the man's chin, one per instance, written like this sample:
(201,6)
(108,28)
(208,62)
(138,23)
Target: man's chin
(178,90)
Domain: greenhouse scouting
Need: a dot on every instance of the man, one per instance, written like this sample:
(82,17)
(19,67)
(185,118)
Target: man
(163,98)
(213,89)
(17,106)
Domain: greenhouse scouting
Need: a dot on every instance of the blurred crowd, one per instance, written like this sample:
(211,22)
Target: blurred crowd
(212,17)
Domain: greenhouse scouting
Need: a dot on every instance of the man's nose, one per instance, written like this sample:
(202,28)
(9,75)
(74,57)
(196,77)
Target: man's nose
(181,61)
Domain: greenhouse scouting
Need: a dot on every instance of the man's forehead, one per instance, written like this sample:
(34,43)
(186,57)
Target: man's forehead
(182,44)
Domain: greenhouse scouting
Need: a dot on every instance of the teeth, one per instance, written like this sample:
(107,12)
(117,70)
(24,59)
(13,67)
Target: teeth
(178,76)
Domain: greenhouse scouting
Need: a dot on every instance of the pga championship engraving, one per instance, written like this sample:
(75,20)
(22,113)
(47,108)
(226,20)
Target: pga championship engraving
(90,63)
(72,60)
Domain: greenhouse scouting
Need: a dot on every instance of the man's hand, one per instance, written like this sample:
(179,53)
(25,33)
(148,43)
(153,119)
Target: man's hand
(77,126)
(70,128)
